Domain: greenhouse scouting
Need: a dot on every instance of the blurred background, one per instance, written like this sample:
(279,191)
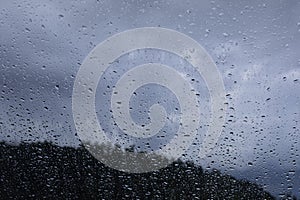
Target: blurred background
(255,45)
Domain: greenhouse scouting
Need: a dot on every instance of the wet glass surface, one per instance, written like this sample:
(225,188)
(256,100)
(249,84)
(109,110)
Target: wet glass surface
(255,47)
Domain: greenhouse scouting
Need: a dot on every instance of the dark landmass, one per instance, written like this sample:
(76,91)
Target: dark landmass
(47,171)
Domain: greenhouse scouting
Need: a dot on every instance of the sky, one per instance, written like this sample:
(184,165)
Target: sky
(255,46)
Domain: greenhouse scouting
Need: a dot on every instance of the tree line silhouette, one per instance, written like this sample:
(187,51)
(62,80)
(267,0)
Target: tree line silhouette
(47,171)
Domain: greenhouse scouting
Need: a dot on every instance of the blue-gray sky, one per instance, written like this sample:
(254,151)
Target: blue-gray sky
(256,46)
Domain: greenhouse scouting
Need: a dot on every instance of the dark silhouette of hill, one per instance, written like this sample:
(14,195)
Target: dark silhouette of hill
(47,171)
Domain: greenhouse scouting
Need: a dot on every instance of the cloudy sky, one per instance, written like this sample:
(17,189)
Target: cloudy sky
(255,45)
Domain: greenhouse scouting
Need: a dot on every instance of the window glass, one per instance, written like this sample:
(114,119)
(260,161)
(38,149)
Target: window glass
(189,100)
